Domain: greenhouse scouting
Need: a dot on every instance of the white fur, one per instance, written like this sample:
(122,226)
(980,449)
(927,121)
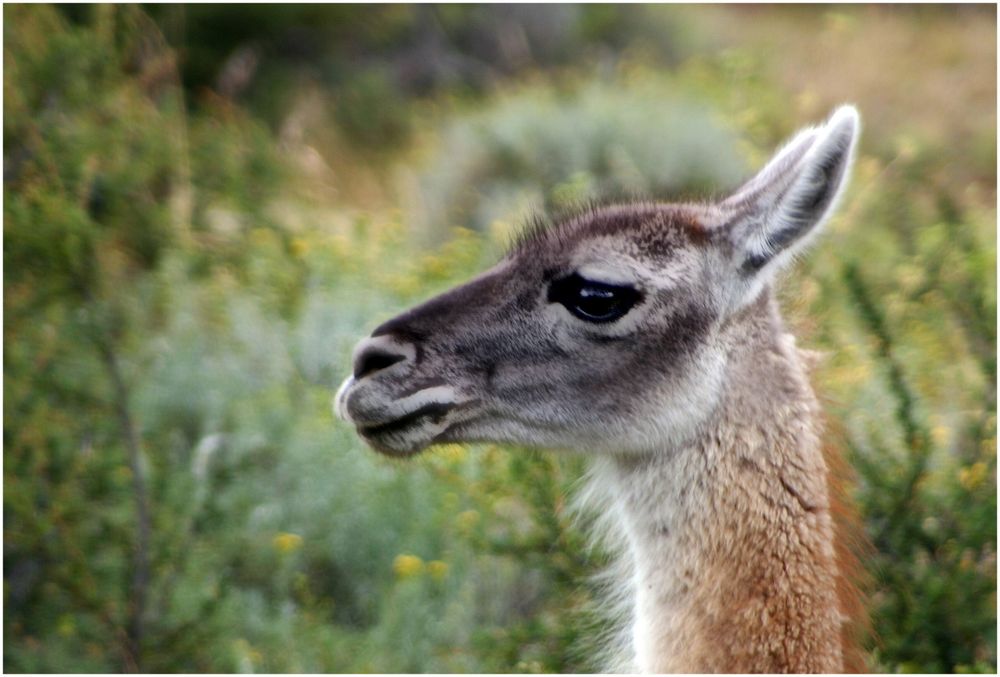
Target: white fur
(766,202)
(339,408)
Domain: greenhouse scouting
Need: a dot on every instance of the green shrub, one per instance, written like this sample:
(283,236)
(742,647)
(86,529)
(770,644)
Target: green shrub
(546,148)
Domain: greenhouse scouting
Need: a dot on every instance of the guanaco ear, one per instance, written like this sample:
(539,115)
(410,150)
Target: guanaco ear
(778,211)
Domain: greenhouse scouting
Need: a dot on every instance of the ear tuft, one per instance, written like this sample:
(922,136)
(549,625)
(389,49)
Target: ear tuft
(845,119)
(774,214)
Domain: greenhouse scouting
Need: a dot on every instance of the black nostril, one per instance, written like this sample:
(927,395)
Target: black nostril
(374,359)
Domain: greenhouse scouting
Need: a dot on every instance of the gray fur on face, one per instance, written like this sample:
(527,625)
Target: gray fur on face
(496,360)
(523,369)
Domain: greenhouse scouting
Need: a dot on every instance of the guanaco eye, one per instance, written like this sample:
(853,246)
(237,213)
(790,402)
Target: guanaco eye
(591,301)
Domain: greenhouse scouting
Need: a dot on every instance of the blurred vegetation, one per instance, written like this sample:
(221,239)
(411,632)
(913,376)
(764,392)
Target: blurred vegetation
(206,206)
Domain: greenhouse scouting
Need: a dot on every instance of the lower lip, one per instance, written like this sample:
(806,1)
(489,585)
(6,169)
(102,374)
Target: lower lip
(434,412)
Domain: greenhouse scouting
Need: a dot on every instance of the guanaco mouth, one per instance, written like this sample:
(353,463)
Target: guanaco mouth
(435,411)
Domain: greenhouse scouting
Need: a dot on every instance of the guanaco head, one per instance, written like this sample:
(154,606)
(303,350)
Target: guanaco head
(602,332)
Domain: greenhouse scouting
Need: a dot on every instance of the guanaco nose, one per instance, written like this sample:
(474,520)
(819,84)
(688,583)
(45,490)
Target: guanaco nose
(378,353)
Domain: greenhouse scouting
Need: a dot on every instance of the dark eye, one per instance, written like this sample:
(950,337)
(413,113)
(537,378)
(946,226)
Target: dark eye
(591,301)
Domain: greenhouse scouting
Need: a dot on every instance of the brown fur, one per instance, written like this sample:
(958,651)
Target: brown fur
(852,548)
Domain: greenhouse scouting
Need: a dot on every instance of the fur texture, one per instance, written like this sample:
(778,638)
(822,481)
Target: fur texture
(690,395)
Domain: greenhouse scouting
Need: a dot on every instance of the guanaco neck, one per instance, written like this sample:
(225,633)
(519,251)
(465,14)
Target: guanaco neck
(731,536)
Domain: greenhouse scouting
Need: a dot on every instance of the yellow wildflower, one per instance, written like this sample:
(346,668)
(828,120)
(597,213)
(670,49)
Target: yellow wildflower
(406,566)
(299,247)
(452,452)
(285,542)
(973,476)
(940,434)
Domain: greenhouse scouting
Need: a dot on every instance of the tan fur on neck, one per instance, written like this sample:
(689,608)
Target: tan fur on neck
(732,537)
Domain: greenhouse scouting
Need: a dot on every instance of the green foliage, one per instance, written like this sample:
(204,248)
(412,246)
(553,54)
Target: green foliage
(92,162)
(171,272)
(375,60)
(927,465)
(543,148)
